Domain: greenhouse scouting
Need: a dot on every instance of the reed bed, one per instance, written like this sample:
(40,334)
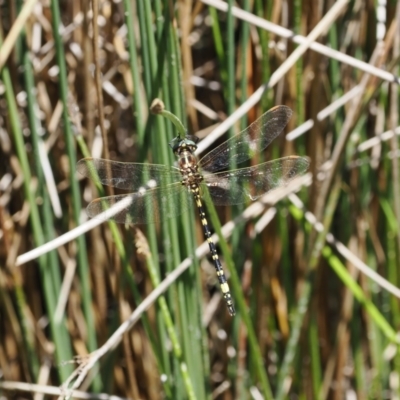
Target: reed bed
(92,309)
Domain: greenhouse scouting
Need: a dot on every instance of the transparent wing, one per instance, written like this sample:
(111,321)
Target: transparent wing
(128,176)
(238,186)
(255,138)
(144,207)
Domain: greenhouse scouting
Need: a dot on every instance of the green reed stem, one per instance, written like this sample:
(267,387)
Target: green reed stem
(219,48)
(127,272)
(63,351)
(240,302)
(45,209)
(83,265)
(176,347)
(200,365)
(158,51)
(134,69)
(300,312)
(342,272)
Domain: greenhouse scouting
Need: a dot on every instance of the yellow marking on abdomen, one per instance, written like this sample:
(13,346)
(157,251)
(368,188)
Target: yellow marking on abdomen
(224,288)
(217,264)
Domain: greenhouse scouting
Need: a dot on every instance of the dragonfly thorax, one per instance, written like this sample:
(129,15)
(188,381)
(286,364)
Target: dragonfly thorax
(184,149)
(188,167)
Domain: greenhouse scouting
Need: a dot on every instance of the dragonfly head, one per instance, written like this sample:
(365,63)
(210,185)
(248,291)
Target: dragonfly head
(179,144)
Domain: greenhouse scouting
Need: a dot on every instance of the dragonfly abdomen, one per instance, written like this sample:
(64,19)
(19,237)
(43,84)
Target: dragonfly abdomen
(217,263)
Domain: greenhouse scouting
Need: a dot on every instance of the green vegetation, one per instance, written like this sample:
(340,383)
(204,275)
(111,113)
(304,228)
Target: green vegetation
(313,270)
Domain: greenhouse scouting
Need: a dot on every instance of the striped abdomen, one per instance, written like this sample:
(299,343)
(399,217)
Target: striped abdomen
(217,263)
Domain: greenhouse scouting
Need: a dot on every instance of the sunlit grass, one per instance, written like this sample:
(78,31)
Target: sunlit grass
(318,270)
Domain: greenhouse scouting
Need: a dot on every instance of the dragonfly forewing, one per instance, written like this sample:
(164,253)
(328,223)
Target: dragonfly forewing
(244,184)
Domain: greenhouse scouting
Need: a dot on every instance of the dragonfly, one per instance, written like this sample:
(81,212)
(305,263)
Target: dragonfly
(159,192)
